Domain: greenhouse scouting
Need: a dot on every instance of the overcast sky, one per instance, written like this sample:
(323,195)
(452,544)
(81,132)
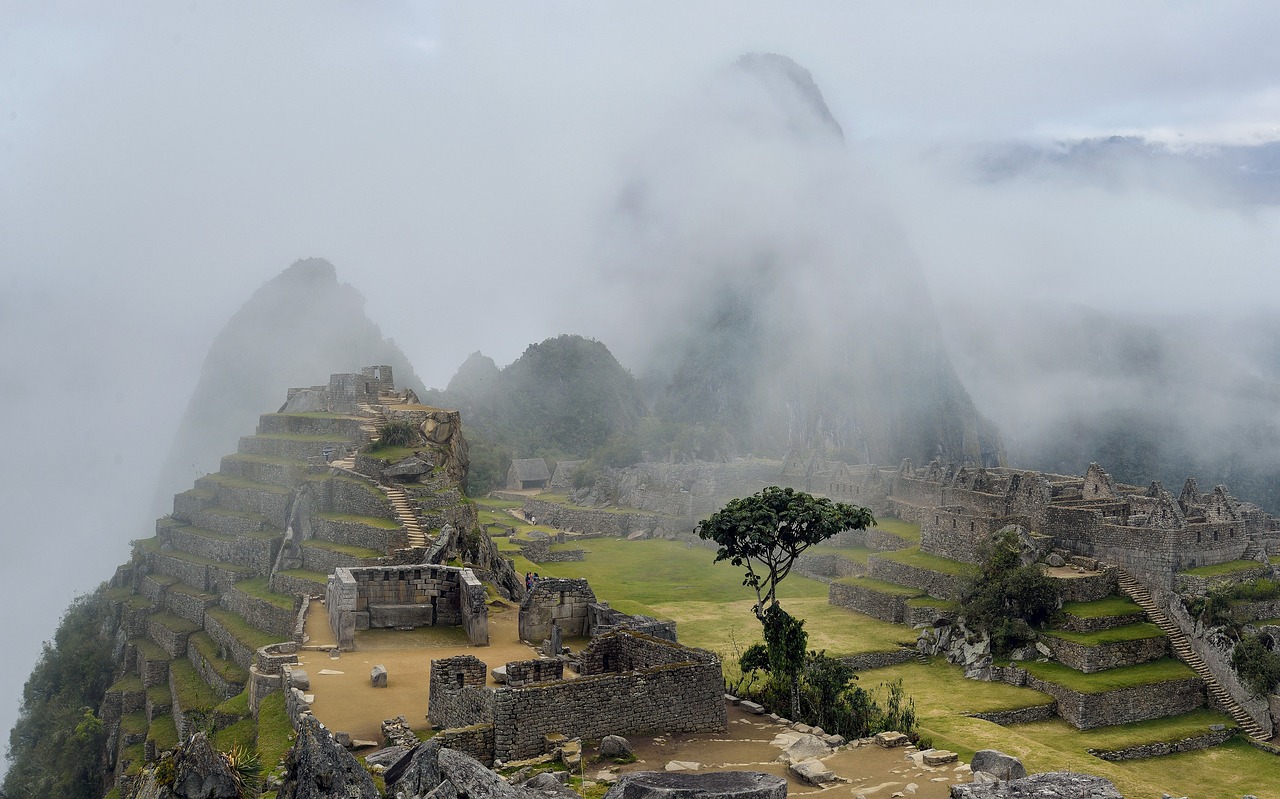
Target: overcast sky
(159,161)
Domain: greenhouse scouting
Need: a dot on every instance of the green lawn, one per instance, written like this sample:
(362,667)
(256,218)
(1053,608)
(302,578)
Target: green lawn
(854,554)
(1222,569)
(1129,632)
(241,630)
(343,549)
(1162,670)
(940,689)
(258,588)
(228,481)
(1111,606)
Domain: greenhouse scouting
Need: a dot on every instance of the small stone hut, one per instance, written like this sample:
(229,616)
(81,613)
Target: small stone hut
(528,473)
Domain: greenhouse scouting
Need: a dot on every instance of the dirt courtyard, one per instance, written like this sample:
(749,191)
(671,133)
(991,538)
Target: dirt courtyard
(345,701)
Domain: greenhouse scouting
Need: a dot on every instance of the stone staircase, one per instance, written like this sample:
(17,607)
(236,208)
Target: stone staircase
(1184,652)
(416,536)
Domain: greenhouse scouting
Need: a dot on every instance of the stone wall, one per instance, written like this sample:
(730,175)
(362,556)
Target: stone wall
(263,615)
(602,619)
(683,691)
(301,425)
(476,741)
(609,522)
(212,676)
(458,696)
(877,660)
(1089,659)
(282,583)
(1121,706)
(886,607)
(1185,583)
(357,497)
(936,584)
(825,568)
(1082,624)
(236,651)
(524,672)
(541,552)
(255,553)
(354,534)
(399,596)
(1087,587)
(1025,715)
(169,637)
(1193,743)
(564,602)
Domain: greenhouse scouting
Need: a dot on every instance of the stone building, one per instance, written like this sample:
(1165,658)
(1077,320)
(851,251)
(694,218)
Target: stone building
(528,473)
(628,683)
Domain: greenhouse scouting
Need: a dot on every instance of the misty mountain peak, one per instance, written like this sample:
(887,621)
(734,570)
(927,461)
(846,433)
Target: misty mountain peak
(786,82)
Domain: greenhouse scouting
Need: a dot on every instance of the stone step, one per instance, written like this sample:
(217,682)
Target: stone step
(1188,655)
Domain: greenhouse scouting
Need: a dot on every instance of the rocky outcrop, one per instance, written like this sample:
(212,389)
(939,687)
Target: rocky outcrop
(1051,785)
(959,645)
(319,768)
(715,785)
(199,772)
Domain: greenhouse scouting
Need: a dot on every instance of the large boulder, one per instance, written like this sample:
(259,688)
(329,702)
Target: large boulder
(615,747)
(1051,785)
(319,768)
(714,785)
(417,773)
(472,779)
(997,763)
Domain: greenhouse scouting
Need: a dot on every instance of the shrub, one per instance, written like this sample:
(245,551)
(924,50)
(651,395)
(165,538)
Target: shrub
(1007,600)
(1256,664)
(395,434)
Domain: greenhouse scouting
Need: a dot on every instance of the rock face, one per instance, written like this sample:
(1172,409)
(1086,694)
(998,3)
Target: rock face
(959,645)
(1051,785)
(718,785)
(200,772)
(378,676)
(284,335)
(318,768)
(997,763)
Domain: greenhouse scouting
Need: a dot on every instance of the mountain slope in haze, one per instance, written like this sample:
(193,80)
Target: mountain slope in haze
(779,297)
(300,324)
(564,396)
(1148,397)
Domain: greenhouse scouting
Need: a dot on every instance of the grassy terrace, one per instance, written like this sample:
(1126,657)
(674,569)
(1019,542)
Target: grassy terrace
(259,588)
(907,531)
(134,723)
(173,623)
(561,498)
(193,693)
(126,684)
(315,415)
(300,437)
(163,732)
(881,586)
(1224,569)
(226,669)
(853,554)
(148,649)
(1111,606)
(197,493)
(195,593)
(159,696)
(218,510)
(275,734)
(1129,632)
(367,521)
(924,560)
(227,481)
(355,481)
(1163,670)
(309,576)
(266,460)
(240,629)
(203,561)
(125,595)
(343,549)
(494,503)
(930,602)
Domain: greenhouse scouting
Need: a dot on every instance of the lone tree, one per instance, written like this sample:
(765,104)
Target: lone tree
(767,532)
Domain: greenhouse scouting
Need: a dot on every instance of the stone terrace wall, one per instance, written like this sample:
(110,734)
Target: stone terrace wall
(1089,659)
(614,523)
(958,535)
(1160,749)
(1122,706)
(886,607)
(936,584)
(262,615)
(825,568)
(1087,587)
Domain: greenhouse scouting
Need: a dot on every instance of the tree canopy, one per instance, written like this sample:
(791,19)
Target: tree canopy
(768,530)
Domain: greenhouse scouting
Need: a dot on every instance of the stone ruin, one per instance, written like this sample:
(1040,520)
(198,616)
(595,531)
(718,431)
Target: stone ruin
(405,597)
(627,683)
(557,607)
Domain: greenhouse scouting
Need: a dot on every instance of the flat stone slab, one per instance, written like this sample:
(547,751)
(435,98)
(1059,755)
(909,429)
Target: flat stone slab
(717,785)
(814,772)
(939,757)
(683,765)
(891,739)
(1051,785)
(752,707)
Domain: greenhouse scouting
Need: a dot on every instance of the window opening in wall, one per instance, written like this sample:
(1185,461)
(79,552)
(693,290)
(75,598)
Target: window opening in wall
(461,680)
(1215,535)
(953,524)
(935,519)
(1197,538)
(606,662)
(971,527)
(561,598)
